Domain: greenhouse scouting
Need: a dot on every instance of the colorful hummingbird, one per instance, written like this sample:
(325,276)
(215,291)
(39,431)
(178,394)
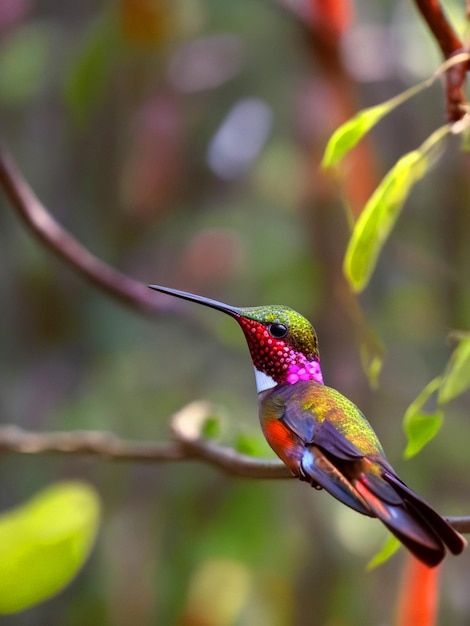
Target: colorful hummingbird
(321,436)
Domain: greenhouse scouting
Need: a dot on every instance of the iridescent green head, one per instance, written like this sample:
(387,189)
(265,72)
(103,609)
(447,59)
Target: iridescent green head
(282,343)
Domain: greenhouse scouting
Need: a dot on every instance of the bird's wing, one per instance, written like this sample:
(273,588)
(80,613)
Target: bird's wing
(329,459)
(306,423)
(320,470)
(335,443)
(323,450)
(357,475)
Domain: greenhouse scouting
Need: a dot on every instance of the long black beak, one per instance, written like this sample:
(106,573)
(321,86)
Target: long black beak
(213,304)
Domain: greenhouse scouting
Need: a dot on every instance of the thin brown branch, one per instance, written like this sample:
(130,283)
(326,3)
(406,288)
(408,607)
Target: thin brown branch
(449,43)
(62,244)
(105,445)
(448,40)
(187,427)
(81,442)
(461,524)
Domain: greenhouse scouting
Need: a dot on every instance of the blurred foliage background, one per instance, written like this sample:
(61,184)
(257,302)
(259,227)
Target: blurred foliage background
(180,142)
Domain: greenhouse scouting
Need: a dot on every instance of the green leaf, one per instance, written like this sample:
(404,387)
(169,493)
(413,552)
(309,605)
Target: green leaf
(383,208)
(44,542)
(465,143)
(457,374)
(251,444)
(351,132)
(372,353)
(24,59)
(372,367)
(420,427)
(246,444)
(211,428)
(388,549)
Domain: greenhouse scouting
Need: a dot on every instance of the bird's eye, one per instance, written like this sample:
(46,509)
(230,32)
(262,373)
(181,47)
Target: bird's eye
(278,331)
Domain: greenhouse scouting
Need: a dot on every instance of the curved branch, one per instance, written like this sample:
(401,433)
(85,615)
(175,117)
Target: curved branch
(105,445)
(449,43)
(189,445)
(62,244)
(187,426)
(94,443)
(448,40)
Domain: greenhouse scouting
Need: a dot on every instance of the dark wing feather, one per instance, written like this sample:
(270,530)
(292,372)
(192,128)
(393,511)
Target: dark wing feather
(453,540)
(364,482)
(319,470)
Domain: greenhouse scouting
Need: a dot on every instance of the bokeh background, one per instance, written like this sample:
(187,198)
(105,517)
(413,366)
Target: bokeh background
(180,142)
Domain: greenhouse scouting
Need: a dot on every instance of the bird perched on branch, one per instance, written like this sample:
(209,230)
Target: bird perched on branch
(321,436)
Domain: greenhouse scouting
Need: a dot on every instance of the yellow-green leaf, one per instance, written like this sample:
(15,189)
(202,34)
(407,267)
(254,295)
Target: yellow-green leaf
(457,374)
(420,430)
(252,444)
(420,427)
(372,358)
(388,549)
(351,132)
(383,208)
(211,428)
(44,542)
(465,143)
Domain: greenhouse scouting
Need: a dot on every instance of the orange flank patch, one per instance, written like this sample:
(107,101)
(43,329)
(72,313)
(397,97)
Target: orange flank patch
(284,443)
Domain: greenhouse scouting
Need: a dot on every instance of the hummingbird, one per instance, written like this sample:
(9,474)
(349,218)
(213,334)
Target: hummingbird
(321,436)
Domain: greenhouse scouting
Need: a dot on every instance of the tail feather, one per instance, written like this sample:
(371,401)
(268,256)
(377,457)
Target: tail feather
(431,555)
(418,526)
(452,539)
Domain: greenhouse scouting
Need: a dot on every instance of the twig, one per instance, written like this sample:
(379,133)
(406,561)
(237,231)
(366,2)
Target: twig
(461,524)
(448,40)
(82,442)
(189,445)
(56,238)
(449,43)
(107,446)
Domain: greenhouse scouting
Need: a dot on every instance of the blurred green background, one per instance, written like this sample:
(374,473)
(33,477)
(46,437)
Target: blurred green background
(179,141)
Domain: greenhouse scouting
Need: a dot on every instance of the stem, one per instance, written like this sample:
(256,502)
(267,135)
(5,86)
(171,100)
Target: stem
(449,43)
(109,447)
(41,223)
